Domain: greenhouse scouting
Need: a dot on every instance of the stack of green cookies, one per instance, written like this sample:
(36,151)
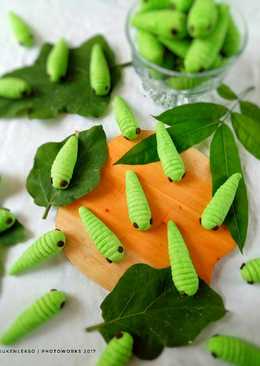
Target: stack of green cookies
(188,36)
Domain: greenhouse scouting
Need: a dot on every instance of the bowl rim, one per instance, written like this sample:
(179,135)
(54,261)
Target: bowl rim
(172,73)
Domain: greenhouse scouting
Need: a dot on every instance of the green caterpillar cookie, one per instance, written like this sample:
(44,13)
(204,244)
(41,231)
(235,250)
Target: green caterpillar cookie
(7,219)
(232,40)
(126,119)
(250,271)
(233,350)
(40,312)
(14,88)
(100,79)
(107,243)
(203,52)
(202,18)
(165,23)
(138,207)
(57,62)
(179,47)
(171,161)
(21,30)
(149,47)
(216,211)
(184,275)
(118,351)
(63,166)
(47,246)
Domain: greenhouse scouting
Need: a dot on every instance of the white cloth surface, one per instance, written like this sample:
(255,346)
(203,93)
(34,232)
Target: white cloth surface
(19,138)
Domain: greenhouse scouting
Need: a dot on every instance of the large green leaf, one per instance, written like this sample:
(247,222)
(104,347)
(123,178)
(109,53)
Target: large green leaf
(184,134)
(250,110)
(72,95)
(197,113)
(16,234)
(248,132)
(144,152)
(146,304)
(226,92)
(92,156)
(225,161)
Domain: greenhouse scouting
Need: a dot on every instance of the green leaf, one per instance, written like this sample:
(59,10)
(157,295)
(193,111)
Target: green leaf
(250,110)
(225,161)
(92,156)
(184,135)
(16,234)
(226,92)
(144,152)
(191,124)
(146,304)
(72,95)
(198,113)
(248,132)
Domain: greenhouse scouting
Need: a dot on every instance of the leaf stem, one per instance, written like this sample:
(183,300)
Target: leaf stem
(239,98)
(46,212)
(124,65)
(94,327)
(246,91)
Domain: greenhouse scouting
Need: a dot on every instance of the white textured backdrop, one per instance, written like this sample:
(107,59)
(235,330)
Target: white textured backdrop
(19,138)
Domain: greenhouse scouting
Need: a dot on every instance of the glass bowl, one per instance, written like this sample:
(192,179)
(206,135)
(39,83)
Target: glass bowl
(170,88)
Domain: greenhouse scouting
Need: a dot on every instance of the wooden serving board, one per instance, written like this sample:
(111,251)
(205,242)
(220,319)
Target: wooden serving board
(183,202)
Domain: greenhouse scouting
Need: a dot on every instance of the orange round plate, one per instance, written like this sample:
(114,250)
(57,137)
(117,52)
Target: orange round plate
(182,202)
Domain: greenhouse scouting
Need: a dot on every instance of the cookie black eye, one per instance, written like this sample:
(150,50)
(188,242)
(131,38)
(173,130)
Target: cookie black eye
(61,243)
(242,266)
(174,32)
(64,184)
(9,221)
(119,335)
